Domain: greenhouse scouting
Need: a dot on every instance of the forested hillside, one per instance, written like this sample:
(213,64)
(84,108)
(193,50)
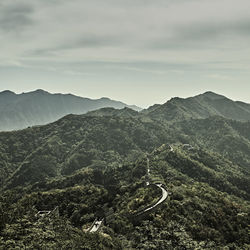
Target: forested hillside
(104,164)
(201,106)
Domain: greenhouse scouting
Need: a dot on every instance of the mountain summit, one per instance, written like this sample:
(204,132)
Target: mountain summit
(40,107)
(200,107)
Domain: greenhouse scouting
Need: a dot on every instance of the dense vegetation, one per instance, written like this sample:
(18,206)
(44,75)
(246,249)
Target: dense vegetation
(200,107)
(95,166)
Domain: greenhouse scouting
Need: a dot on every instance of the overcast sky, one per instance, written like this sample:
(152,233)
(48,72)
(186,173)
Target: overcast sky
(137,51)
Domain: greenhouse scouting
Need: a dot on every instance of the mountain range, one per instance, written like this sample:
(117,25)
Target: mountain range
(39,107)
(18,111)
(96,165)
(201,106)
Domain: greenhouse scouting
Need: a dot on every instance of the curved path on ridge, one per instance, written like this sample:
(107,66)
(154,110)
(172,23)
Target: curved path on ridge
(97,223)
(163,190)
(163,198)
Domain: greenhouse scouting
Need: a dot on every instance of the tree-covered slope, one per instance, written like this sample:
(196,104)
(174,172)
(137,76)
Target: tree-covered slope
(200,213)
(105,164)
(229,138)
(101,140)
(72,143)
(201,106)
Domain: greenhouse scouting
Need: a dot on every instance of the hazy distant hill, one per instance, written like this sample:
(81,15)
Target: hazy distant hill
(200,106)
(19,111)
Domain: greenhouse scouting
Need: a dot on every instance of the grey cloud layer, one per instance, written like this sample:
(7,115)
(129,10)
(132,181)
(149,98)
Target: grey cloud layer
(15,16)
(179,32)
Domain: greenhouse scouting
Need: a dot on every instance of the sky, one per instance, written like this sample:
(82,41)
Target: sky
(137,51)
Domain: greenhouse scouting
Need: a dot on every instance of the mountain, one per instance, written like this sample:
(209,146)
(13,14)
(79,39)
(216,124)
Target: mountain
(227,137)
(208,207)
(39,107)
(199,107)
(109,163)
(75,142)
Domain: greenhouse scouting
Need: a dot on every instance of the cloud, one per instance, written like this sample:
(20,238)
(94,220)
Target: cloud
(15,16)
(220,77)
(181,33)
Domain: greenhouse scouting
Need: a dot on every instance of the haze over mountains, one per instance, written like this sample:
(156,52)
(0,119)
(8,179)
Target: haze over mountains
(18,111)
(39,107)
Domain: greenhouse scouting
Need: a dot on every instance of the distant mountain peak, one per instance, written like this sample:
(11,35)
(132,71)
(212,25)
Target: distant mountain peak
(41,91)
(209,93)
(36,92)
(212,95)
(105,98)
(7,92)
(200,107)
(109,111)
(39,107)
(174,99)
